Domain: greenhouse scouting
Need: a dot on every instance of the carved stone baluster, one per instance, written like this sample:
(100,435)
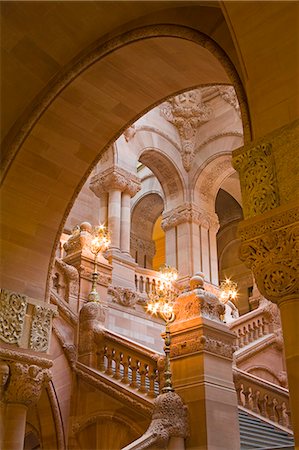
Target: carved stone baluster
(245,336)
(260,328)
(247,393)
(109,355)
(101,360)
(273,414)
(250,333)
(152,376)
(285,421)
(125,363)
(134,368)
(117,359)
(265,406)
(143,369)
(256,401)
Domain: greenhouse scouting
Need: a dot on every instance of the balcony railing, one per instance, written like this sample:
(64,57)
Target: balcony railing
(250,327)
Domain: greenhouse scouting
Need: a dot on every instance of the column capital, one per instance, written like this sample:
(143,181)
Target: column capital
(189,212)
(270,248)
(115,178)
(22,382)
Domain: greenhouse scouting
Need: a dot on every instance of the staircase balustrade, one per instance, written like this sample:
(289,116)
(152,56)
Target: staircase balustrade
(130,363)
(262,397)
(250,327)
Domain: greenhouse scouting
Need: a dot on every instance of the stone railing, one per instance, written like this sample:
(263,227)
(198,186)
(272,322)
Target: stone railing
(262,397)
(25,322)
(128,362)
(147,281)
(250,327)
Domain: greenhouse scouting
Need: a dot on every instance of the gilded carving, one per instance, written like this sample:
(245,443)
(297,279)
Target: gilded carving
(258,179)
(41,328)
(25,383)
(123,296)
(115,178)
(12,316)
(187,112)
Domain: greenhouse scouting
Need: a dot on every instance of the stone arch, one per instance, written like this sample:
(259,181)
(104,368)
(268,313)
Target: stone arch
(167,174)
(55,149)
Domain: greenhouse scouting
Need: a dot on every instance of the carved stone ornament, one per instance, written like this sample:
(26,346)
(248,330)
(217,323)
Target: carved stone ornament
(169,419)
(189,213)
(143,246)
(124,296)
(70,275)
(91,321)
(25,383)
(228,94)
(115,178)
(79,239)
(259,185)
(12,316)
(187,112)
(129,133)
(41,328)
(274,257)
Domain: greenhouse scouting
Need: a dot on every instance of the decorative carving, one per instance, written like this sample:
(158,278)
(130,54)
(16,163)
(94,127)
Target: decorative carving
(71,276)
(228,94)
(115,178)
(129,133)
(4,374)
(12,355)
(143,246)
(187,112)
(274,260)
(169,419)
(207,187)
(41,328)
(103,280)
(258,179)
(123,296)
(91,320)
(189,213)
(25,383)
(12,315)
(79,239)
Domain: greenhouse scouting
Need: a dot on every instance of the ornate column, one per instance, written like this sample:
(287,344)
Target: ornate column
(21,386)
(201,359)
(191,234)
(120,186)
(268,171)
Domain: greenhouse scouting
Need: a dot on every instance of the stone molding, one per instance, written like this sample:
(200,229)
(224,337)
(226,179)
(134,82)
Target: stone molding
(24,383)
(270,248)
(187,112)
(13,308)
(57,417)
(124,296)
(256,167)
(115,178)
(188,212)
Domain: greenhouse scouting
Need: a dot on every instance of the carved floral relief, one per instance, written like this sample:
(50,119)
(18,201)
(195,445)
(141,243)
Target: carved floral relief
(12,316)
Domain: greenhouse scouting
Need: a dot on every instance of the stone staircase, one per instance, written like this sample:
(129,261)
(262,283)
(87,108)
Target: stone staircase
(257,434)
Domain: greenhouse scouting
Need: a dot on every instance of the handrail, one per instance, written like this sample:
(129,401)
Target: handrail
(250,327)
(263,397)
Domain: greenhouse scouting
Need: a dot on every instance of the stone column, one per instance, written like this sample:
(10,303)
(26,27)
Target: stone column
(193,241)
(201,360)
(114,217)
(268,170)
(103,209)
(270,248)
(22,385)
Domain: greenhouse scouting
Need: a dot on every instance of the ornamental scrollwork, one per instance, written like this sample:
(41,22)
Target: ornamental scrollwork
(13,308)
(259,184)
(41,328)
(124,296)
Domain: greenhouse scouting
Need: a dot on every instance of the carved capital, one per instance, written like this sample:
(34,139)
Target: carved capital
(188,212)
(12,316)
(25,383)
(270,248)
(115,178)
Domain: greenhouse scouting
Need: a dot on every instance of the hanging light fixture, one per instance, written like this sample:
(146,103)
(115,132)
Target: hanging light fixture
(228,290)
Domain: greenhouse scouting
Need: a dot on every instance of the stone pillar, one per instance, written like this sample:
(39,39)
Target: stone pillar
(201,360)
(270,248)
(192,242)
(125,222)
(268,170)
(114,217)
(22,385)
(121,186)
(103,209)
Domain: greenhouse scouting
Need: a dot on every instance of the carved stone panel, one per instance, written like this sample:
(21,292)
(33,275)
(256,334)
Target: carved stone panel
(41,328)
(12,316)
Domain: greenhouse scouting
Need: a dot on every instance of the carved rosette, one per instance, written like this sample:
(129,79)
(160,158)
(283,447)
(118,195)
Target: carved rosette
(115,178)
(41,328)
(189,213)
(187,112)
(25,383)
(259,185)
(270,248)
(123,296)
(12,316)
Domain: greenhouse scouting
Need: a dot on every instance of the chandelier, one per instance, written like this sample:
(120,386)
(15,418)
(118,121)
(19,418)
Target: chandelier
(100,241)
(228,290)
